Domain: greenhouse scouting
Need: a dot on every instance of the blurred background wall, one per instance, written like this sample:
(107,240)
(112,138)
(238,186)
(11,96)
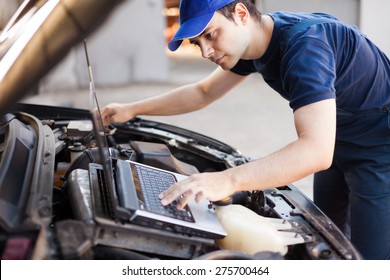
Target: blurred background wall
(347,10)
(131,46)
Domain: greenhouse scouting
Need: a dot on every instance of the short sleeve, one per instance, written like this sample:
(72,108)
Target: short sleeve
(308,72)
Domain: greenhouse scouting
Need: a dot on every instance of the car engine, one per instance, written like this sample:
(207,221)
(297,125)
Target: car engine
(46,211)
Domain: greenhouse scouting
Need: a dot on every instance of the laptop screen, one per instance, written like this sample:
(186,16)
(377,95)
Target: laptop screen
(100,138)
(102,144)
(99,130)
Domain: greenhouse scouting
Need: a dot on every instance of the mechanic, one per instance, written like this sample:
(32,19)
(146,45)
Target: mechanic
(338,86)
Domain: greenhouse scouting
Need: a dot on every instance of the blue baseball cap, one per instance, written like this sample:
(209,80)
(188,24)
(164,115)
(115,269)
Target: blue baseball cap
(195,15)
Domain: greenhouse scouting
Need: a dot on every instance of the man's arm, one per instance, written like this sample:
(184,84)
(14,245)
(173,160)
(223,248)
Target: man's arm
(311,152)
(182,100)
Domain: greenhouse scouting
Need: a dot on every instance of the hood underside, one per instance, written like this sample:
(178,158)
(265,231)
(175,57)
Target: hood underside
(39,36)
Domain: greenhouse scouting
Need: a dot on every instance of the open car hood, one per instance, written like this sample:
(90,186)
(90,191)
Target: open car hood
(39,36)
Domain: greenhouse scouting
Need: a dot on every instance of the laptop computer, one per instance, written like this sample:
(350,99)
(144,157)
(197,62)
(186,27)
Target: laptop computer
(129,190)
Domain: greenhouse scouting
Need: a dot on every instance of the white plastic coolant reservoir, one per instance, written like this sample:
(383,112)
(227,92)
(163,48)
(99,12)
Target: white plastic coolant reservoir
(251,233)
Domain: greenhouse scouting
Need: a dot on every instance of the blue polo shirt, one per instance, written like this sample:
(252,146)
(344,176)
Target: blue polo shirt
(328,60)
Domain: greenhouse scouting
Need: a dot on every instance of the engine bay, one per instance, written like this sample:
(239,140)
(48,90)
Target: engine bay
(45,194)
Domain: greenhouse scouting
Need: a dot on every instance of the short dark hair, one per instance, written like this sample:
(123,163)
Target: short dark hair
(228,10)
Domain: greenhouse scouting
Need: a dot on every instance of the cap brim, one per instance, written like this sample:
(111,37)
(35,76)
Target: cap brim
(190,29)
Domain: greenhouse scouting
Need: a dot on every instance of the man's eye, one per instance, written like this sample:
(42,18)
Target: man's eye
(195,43)
(210,35)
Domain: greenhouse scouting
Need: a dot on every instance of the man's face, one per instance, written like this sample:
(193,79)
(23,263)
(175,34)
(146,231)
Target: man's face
(223,42)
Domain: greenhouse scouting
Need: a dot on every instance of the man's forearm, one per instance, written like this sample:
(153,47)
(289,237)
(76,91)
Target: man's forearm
(290,164)
(182,100)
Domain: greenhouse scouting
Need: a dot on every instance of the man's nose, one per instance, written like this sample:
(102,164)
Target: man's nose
(207,50)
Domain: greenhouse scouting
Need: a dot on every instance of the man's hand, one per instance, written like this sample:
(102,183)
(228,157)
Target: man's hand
(212,186)
(116,113)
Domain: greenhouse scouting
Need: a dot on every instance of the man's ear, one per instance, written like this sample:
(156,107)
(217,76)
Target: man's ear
(241,13)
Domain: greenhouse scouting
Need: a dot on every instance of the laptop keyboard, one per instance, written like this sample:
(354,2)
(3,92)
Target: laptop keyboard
(153,182)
